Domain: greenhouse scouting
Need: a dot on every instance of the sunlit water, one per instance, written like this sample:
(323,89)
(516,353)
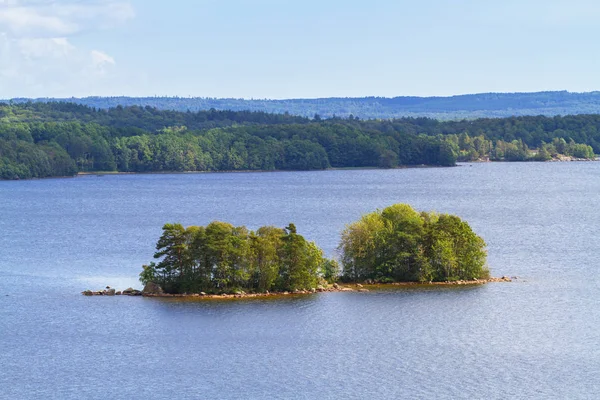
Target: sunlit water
(538,337)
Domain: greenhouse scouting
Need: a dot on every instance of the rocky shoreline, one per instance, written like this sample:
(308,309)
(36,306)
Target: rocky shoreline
(154,290)
(112,292)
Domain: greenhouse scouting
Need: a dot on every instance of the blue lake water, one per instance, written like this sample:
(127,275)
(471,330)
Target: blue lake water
(537,337)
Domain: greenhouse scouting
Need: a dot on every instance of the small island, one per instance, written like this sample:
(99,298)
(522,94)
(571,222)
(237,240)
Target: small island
(394,246)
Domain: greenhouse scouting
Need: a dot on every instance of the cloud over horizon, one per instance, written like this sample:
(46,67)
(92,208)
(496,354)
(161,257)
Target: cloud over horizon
(36,55)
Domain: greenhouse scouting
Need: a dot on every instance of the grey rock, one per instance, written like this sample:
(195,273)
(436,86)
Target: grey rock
(152,288)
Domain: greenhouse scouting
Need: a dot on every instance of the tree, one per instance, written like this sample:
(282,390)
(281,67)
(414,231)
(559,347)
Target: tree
(223,258)
(400,244)
(172,247)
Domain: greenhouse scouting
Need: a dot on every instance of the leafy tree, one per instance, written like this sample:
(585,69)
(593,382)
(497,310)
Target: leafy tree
(223,258)
(400,244)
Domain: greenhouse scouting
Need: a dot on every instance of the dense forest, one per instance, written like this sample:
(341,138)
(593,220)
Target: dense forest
(444,108)
(60,139)
(222,258)
(396,244)
(399,244)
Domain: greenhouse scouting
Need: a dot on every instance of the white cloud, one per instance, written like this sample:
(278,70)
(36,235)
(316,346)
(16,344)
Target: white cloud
(37,57)
(102,62)
(40,67)
(40,18)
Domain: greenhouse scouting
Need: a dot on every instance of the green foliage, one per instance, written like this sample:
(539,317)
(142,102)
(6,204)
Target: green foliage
(56,139)
(472,149)
(399,244)
(221,258)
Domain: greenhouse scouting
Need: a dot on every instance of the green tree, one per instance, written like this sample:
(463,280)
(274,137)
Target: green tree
(400,244)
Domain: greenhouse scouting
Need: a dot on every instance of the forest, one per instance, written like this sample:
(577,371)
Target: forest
(40,140)
(222,258)
(396,244)
(470,106)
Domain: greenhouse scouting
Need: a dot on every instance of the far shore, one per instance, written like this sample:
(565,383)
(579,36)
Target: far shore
(245,171)
(335,288)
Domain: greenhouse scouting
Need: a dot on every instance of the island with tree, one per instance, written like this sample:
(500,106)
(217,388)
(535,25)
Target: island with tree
(397,246)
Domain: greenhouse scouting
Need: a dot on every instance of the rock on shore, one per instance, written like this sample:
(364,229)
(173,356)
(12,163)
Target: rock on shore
(154,290)
(112,292)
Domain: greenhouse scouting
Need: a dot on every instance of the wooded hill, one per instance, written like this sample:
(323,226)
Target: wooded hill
(60,139)
(482,105)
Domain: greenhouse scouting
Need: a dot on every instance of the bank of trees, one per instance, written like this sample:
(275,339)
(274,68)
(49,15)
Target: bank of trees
(467,148)
(445,108)
(56,139)
(222,258)
(397,244)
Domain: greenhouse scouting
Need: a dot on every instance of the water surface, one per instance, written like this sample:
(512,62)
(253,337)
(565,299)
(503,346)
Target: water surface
(535,338)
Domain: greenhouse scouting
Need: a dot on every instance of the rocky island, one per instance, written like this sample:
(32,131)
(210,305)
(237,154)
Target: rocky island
(391,247)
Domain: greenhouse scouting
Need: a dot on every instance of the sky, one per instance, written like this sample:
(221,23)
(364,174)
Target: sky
(296,49)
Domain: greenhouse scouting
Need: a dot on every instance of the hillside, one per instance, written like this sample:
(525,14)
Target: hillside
(60,139)
(444,108)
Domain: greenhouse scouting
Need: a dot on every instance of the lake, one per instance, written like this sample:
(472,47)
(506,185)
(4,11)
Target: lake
(536,337)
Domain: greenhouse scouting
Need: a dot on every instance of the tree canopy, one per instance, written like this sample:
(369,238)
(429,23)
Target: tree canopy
(60,139)
(399,244)
(222,258)
(396,244)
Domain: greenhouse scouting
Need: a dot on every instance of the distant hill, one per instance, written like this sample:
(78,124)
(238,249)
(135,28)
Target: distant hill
(443,108)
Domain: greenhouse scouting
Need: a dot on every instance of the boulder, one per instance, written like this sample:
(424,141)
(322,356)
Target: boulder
(152,288)
(128,291)
(118,293)
(336,286)
(87,293)
(110,292)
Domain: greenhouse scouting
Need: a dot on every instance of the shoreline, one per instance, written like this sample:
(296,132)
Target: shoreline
(247,171)
(335,288)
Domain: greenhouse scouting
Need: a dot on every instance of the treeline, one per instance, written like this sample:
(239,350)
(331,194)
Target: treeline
(467,148)
(397,244)
(469,106)
(60,139)
(400,244)
(222,258)
(148,140)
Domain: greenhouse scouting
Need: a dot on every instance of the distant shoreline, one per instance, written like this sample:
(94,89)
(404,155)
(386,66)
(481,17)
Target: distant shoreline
(246,171)
(458,164)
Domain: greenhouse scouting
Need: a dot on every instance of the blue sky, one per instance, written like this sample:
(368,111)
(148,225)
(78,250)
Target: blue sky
(290,49)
